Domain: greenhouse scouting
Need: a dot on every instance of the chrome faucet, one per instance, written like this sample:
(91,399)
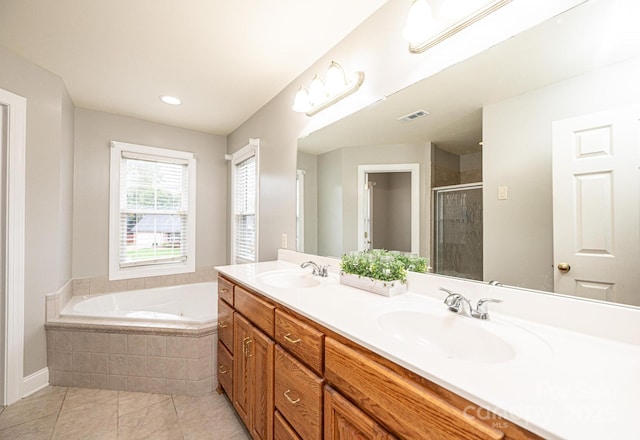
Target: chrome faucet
(459,304)
(318,271)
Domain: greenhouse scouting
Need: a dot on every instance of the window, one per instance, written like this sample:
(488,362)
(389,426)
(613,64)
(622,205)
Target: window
(244,246)
(152,211)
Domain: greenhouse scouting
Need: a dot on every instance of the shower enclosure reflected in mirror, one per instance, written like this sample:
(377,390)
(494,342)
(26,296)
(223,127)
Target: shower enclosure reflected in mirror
(568,84)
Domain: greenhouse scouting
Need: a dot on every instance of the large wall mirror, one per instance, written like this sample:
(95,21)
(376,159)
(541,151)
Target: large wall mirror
(528,157)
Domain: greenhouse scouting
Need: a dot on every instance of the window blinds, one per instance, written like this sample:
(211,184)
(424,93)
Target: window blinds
(245,210)
(153,210)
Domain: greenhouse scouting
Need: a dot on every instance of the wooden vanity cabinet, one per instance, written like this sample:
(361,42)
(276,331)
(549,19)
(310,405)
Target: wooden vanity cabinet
(253,378)
(403,406)
(225,337)
(282,430)
(298,395)
(344,421)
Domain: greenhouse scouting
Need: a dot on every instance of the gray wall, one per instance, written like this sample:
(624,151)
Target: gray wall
(309,163)
(48,199)
(518,239)
(94,131)
(330,204)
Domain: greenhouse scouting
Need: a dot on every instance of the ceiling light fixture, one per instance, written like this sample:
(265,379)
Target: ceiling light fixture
(321,95)
(422,31)
(171,100)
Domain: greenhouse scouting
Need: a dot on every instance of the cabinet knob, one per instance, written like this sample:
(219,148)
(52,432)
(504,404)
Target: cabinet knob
(222,369)
(223,324)
(223,290)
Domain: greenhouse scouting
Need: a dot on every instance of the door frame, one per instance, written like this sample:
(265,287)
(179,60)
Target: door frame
(414,169)
(13,350)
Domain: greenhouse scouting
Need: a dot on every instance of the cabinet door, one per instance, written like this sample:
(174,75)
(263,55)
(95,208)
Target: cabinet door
(261,350)
(241,371)
(344,421)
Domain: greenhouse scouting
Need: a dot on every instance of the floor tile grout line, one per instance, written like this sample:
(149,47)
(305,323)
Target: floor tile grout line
(173,402)
(53,431)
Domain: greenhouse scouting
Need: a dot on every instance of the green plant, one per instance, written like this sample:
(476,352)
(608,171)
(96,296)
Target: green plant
(382,265)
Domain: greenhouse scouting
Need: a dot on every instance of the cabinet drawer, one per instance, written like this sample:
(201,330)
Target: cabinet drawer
(225,370)
(225,324)
(298,395)
(406,408)
(282,430)
(225,290)
(255,309)
(300,339)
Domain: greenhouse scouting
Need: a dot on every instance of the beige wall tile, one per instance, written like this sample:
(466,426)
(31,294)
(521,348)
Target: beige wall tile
(135,284)
(156,385)
(136,366)
(100,381)
(198,387)
(63,378)
(137,344)
(176,368)
(183,278)
(81,362)
(99,363)
(198,347)
(99,285)
(118,364)
(118,285)
(117,382)
(82,380)
(81,286)
(81,341)
(156,366)
(63,341)
(176,386)
(162,281)
(137,384)
(176,346)
(51,339)
(198,369)
(99,342)
(63,361)
(156,345)
(117,343)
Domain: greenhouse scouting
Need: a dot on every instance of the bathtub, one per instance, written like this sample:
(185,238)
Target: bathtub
(161,340)
(186,304)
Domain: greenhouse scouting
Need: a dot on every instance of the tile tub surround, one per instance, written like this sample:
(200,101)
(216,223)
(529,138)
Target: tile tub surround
(126,358)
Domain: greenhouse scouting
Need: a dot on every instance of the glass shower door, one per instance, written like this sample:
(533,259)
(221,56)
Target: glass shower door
(458,231)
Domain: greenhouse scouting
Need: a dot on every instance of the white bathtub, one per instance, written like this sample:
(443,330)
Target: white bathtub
(184,304)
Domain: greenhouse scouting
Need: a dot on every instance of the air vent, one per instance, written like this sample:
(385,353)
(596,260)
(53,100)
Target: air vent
(413,116)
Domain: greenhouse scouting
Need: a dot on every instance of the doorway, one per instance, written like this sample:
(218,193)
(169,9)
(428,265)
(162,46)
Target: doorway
(389,207)
(458,231)
(13,116)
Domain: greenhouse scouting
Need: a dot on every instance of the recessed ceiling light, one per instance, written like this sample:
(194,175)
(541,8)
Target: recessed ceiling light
(171,100)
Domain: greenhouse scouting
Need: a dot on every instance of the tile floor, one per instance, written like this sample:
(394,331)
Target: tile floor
(90,414)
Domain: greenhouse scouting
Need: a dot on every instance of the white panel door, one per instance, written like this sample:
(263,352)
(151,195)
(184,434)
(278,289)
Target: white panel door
(596,206)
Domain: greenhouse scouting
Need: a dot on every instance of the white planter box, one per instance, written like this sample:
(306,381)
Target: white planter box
(386,288)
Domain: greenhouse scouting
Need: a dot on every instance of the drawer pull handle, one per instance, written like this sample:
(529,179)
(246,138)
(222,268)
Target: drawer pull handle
(245,341)
(223,290)
(289,339)
(286,394)
(223,324)
(222,369)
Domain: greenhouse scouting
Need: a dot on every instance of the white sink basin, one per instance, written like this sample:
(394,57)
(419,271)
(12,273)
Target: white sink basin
(289,279)
(461,338)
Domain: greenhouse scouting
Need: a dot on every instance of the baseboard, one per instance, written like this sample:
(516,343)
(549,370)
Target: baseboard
(35,382)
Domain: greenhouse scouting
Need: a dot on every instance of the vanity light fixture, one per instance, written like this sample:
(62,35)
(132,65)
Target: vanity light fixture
(171,100)
(321,95)
(423,31)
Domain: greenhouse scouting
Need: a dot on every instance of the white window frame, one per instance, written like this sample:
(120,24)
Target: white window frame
(116,272)
(249,150)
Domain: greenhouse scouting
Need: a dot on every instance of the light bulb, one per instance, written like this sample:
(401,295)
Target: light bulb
(317,92)
(335,82)
(301,102)
(420,23)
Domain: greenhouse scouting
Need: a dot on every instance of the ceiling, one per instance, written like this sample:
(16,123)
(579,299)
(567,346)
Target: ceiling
(224,59)
(592,35)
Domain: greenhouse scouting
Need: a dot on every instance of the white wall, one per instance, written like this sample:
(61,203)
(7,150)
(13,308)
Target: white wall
(93,132)
(517,154)
(377,48)
(48,199)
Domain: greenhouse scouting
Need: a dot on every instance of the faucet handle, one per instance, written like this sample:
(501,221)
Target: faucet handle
(481,310)
(324,271)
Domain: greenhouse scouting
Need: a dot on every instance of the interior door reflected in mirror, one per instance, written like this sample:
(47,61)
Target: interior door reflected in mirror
(492,120)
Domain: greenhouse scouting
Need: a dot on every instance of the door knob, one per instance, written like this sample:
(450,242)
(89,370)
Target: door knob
(564,267)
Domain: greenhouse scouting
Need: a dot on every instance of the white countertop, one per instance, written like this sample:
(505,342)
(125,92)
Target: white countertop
(560,384)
